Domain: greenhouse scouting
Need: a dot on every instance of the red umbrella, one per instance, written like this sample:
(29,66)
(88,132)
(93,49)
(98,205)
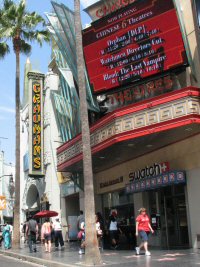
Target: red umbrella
(45,214)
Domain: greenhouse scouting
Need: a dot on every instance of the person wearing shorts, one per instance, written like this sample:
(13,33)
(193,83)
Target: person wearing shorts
(143,229)
(46,235)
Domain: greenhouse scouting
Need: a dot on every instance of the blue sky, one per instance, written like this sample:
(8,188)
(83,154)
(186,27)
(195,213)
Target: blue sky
(39,58)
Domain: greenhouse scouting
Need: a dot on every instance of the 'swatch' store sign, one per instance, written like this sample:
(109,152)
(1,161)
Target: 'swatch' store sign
(136,42)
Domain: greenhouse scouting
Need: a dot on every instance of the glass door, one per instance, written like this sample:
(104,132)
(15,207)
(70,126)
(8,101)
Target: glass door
(175,226)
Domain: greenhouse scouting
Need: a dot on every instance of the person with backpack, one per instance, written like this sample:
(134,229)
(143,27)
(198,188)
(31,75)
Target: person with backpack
(31,233)
(46,234)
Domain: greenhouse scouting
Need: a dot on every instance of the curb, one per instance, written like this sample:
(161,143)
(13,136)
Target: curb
(30,259)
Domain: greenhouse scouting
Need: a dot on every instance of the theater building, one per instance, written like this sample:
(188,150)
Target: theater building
(143,66)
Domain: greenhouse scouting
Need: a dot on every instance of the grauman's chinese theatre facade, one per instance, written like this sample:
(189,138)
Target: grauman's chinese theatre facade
(143,66)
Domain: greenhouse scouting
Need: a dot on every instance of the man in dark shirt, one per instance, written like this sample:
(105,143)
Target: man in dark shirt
(31,233)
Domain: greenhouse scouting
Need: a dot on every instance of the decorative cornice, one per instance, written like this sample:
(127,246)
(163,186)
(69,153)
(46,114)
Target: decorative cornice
(164,112)
(35,75)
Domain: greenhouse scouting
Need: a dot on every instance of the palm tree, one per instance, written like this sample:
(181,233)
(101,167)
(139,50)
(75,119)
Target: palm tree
(19,26)
(93,256)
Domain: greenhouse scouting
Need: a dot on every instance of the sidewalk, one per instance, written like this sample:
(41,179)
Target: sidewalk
(70,258)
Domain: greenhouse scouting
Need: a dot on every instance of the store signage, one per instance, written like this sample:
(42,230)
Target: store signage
(112,6)
(149,171)
(141,92)
(173,177)
(135,42)
(112,182)
(36,167)
(2,202)
(36,111)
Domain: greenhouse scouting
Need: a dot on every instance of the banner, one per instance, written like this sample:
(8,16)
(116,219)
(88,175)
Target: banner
(2,202)
(170,178)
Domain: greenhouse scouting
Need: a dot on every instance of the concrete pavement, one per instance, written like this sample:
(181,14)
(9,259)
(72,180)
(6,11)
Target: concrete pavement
(70,258)
(7,261)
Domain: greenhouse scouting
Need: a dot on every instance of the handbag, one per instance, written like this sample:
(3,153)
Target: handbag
(80,234)
(99,232)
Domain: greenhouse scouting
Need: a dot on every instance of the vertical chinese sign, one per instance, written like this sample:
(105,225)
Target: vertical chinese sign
(36,146)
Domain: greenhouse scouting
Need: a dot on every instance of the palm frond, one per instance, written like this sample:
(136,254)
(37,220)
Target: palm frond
(6,32)
(38,36)
(20,13)
(25,48)
(7,4)
(4,49)
(21,26)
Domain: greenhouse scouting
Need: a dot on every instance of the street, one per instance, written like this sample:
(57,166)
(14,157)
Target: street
(8,261)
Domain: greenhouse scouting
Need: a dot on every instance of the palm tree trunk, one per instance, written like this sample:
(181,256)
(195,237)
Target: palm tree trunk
(16,230)
(93,256)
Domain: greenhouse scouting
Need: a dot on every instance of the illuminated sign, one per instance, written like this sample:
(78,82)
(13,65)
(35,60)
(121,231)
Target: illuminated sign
(2,202)
(138,41)
(36,111)
(133,94)
(36,127)
(112,6)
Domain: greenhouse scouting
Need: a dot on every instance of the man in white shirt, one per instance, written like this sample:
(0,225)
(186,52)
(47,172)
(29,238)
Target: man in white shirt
(58,233)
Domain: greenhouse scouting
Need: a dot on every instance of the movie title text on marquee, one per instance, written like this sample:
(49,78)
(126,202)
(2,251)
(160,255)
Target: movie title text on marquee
(138,41)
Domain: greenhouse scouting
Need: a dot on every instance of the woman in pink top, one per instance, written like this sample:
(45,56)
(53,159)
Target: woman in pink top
(143,228)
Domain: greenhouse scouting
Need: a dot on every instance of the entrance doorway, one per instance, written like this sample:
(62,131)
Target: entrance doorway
(169,204)
(174,225)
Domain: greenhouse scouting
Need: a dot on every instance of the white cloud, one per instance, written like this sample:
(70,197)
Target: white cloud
(5,109)
(87,3)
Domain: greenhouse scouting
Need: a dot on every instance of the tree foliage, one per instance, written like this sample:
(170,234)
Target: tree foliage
(20,27)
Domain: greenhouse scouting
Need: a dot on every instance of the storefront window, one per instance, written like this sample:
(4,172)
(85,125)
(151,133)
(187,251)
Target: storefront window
(122,203)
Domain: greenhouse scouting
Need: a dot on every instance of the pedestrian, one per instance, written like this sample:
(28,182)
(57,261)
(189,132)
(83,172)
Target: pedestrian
(46,234)
(114,230)
(143,229)
(7,236)
(58,233)
(24,230)
(80,219)
(99,230)
(82,238)
(31,234)
(101,221)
